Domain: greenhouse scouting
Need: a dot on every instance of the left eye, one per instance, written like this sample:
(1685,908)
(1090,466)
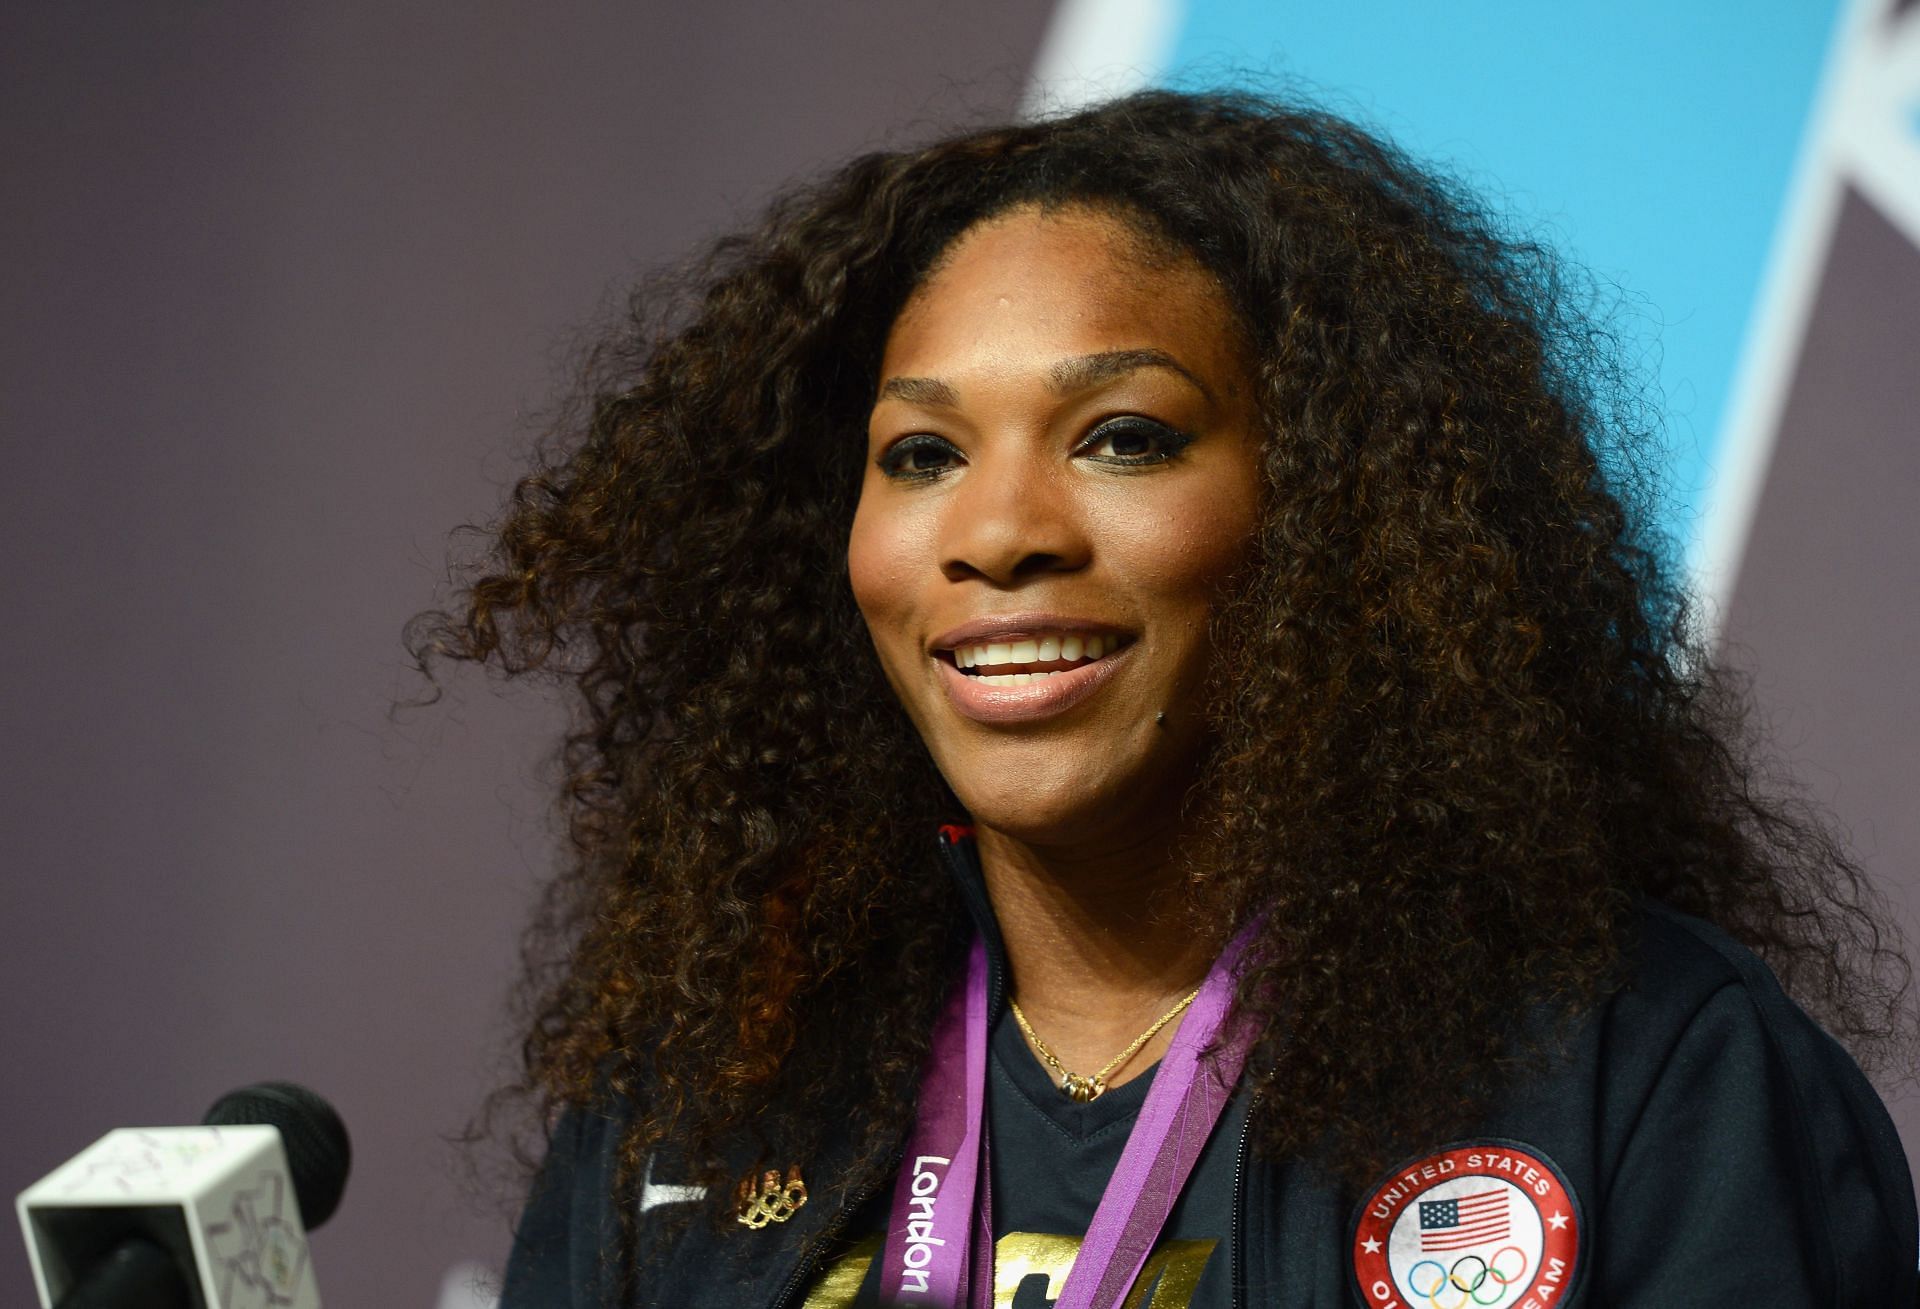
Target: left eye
(1134,440)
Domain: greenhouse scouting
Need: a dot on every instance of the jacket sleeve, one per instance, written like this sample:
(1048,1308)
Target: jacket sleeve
(1761,1170)
(568,1235)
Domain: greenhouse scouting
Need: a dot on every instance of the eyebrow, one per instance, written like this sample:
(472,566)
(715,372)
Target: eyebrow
(1070,375)
(928,391)
(1065,377)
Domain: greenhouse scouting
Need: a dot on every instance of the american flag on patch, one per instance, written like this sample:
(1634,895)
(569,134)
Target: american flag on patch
(1463,1221)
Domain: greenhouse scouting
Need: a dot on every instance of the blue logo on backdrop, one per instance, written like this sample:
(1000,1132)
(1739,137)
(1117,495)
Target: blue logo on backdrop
(1652,142)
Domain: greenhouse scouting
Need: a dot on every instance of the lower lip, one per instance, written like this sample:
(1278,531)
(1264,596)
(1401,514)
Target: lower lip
(1031,701)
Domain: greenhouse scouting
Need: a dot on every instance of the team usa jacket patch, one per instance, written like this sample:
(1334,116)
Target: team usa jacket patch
(1491,1224)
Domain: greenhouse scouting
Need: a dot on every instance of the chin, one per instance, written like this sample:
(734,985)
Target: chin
(1072,809)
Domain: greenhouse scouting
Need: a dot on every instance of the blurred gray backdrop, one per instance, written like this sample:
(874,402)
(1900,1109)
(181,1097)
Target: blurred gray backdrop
(283,285)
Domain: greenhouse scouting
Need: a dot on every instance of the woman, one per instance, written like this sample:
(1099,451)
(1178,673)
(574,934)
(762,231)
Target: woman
(1131,751)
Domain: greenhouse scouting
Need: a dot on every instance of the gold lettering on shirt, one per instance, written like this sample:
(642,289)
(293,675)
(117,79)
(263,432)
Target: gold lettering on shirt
(1020,1255)
(1166,1281)
(1168,1277)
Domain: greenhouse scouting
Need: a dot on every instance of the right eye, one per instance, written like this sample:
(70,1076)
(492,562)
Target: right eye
(921,455)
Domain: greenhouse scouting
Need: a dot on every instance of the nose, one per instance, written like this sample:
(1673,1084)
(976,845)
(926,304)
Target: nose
(1013,518)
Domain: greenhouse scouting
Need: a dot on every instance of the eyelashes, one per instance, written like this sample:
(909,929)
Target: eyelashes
(918,457)
(1134,441)
(1129,441)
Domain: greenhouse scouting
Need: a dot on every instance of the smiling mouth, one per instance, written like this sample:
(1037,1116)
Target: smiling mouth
(1032,659)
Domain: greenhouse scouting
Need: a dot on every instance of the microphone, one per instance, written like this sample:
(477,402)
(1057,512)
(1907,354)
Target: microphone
(208,1217)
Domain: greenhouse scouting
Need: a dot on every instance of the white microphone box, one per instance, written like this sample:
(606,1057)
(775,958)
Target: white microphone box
(220,1199)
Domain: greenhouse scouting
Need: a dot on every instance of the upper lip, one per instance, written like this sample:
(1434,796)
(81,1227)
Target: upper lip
(1020,627)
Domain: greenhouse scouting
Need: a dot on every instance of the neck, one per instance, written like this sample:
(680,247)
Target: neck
(1098,944)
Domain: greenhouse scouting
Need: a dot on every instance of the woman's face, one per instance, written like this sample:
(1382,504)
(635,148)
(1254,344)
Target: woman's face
(1062,470)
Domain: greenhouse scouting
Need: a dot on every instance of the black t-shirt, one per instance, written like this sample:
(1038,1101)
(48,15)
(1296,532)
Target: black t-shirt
(1051,1159)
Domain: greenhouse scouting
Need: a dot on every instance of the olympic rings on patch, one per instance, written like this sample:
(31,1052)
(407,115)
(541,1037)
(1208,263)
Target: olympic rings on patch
(1507,1279)
(1479,1278)
(1441,1278)
(1428,1291)
(1468,1285)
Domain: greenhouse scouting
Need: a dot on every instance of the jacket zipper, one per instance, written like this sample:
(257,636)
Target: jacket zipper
(824,1239)
(1235,1227)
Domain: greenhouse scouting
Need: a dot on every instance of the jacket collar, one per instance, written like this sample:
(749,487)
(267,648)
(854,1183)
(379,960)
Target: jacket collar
(961,855)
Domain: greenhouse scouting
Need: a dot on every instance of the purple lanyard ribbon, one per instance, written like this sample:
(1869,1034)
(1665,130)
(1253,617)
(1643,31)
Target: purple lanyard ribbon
(939,1248)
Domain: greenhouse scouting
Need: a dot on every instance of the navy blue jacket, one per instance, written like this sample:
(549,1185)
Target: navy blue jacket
(1721,1149)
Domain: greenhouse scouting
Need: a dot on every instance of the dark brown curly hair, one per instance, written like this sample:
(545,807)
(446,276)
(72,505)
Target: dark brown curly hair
(1460,713)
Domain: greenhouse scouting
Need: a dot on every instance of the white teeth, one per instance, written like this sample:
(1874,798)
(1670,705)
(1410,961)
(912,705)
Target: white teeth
(1011,679)
(1030,650)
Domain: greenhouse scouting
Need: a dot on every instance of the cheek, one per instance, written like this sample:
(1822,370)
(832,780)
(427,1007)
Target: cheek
(880,571)
(1181,555)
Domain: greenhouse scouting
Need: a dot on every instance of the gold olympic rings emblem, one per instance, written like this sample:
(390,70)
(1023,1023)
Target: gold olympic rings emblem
(770,1200)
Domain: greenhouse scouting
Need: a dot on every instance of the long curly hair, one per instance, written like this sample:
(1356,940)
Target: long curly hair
(1460,711)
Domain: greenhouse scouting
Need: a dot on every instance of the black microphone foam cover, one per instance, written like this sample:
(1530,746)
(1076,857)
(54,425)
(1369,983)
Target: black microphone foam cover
(318,1152)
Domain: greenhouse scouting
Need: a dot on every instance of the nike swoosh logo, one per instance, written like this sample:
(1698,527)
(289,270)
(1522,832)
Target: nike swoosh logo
(654,1194)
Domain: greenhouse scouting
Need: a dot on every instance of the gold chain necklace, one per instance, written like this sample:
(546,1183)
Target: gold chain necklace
(1082,1089)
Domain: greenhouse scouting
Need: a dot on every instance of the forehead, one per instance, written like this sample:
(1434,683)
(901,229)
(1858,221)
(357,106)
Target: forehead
(1048,283)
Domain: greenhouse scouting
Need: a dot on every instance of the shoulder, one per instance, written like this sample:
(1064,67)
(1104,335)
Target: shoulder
(594,1229)
(1696,1004)
(1673,959)
(1728,1125)
(571,1223)
(1708,1144)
